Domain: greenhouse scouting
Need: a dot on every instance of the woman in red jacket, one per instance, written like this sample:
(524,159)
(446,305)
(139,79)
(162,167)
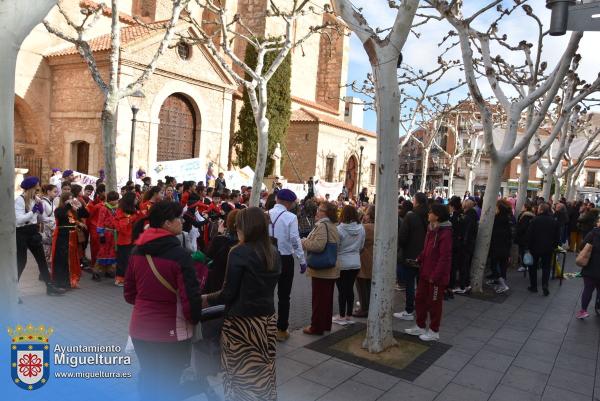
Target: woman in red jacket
(436,263)
(127,215)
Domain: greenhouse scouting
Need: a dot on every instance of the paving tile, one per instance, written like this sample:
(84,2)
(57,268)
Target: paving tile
(308,356)
(504,347)
(299,389)
(580,350)
(330,373)
(528,362)
(577,364)
(351,390)
(435,378)
(558,394)
(573,381)
(540,350)
(510,334)
(453,360)
(287,369)
(478,378)
(455,392)
(526,380)
(492,360)
(376,379)
(406,391)
(549,336)
(506,393)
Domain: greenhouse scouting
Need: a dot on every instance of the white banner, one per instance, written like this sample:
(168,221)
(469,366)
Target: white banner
(84,179)
(332,188)
(297,188)
(182,170)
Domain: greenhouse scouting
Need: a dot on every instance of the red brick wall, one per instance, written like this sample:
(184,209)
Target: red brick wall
(145,9)
(301,143)
(253,14)
(329,74)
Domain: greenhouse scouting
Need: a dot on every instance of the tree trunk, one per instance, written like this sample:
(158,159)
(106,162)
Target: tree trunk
(470,178)
(486,222)
(546,188)
(109,139)
(262,125)
(379,326)
(17,19)
(556,188)
(523,182)
(424,168)
(451,178)
(570,184)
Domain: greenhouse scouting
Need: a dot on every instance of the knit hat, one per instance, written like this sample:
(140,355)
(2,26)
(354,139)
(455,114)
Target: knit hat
(55,170)
(67,173)
(286,195)
(29,182)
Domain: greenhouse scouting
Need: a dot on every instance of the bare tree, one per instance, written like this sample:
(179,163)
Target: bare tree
(494,70)
(112,90)
(383,56)
(590,151)
(17,19)
(218,35)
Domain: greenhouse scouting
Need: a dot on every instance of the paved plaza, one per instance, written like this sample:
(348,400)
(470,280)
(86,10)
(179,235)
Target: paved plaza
(529,347)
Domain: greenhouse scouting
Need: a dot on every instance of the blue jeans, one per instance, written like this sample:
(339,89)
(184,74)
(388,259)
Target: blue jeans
(409,275)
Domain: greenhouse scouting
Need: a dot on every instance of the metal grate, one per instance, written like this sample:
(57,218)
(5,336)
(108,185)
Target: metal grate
(33,164)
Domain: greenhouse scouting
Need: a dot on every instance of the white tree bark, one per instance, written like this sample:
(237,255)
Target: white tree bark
(259,106)
(523,181)
(470,178)
(547,187)
(424,167)
(17,19)
(387,106)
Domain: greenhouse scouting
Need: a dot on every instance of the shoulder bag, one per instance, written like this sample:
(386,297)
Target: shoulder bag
(583,258)
(325,259)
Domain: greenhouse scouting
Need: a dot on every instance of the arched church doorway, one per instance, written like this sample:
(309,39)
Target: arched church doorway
(351,173)
(178,133)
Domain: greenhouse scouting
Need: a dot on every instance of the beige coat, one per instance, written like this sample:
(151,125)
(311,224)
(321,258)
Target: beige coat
(316,241)
(366,255)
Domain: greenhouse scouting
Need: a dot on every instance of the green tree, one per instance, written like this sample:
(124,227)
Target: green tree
(278,112)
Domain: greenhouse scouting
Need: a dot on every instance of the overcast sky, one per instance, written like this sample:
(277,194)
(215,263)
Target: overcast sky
(422,52)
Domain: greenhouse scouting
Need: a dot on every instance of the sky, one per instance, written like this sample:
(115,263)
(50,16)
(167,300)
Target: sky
(422,52)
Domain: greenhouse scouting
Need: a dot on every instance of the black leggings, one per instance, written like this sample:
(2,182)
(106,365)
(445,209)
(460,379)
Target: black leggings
(589,285)
(123,252)
(28,237)
(345,286)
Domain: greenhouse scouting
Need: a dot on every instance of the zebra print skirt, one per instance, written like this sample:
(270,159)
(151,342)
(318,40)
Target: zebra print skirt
(248,347)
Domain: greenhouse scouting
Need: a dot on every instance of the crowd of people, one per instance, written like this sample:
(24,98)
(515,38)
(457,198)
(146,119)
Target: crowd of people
(181,248)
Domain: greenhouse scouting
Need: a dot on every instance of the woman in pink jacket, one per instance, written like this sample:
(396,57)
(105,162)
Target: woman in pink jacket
(436,262)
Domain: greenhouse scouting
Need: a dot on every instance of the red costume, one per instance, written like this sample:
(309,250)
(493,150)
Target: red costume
(107,256)
(93,209)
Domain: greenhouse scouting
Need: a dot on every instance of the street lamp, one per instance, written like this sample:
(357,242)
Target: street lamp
(568,15)
(362,140)
(135,100)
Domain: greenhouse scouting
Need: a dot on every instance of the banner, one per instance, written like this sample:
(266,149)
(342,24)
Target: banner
(182,170)
(84,179)
(332,188)
(299,189)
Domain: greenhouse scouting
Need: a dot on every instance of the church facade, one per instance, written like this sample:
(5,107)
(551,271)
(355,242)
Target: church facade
(190,104)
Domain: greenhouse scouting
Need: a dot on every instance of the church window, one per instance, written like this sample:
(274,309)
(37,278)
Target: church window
(184,50)
(329,168)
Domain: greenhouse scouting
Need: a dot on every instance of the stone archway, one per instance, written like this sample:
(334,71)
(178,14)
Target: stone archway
(351,175)
(178,131)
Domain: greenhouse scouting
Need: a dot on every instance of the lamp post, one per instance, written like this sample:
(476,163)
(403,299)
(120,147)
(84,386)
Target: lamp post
(362,147)
(134,102)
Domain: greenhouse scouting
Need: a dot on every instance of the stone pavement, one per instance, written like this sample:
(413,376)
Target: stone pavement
(529,347)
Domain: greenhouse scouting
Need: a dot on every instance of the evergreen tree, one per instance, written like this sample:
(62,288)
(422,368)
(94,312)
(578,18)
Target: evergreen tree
(278,112)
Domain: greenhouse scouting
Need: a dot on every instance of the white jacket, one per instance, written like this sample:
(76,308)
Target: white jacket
(352,241)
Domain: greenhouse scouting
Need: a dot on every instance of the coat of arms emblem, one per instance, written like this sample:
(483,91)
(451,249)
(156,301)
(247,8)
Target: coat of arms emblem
(30,355)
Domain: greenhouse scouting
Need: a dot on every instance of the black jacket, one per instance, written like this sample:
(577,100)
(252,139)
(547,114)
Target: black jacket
(411,234)
(592,269)
(457,220)
(586,221)
(525,219)
(543,235)
(470,226)
(501,236)
(249,287)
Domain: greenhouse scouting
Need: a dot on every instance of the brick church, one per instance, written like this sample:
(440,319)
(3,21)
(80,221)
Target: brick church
(190,105)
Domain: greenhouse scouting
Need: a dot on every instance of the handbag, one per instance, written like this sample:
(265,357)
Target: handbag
(527,259)
(583,258)
(197,334)
(326,259)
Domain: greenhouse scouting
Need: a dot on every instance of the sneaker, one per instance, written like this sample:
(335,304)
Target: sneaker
(430,335)
(546,292)
(282,335)
(582,314)
(339,320)
(51,289)
(404,315)
(491,282)
(349,320)
(119,283)
(457,290)
(415,331)
(522,269)
(400,287)
(468,289)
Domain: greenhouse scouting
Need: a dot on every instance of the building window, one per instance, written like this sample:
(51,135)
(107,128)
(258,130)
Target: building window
(590,179)
(372,174)
(184,50)
(329,168)
(347,109)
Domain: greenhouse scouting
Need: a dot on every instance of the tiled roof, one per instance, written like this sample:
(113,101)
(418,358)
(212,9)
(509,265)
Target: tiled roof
(129,34)
(314,105)
(304,116)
